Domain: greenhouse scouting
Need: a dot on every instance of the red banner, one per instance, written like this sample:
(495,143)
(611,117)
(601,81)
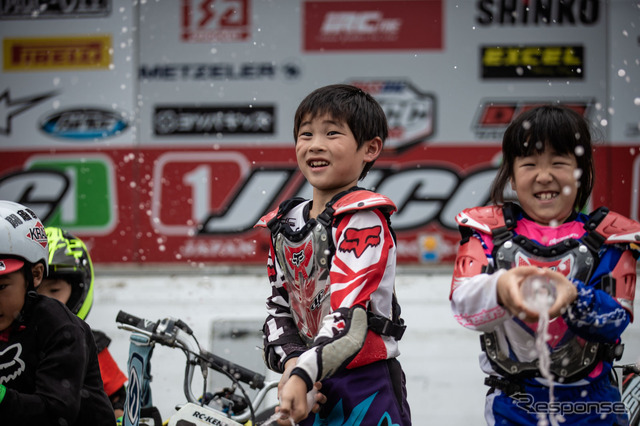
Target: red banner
(199,205)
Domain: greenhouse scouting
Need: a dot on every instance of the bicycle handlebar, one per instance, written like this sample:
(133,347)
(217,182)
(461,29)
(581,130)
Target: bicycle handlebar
(629,368)
(132,320)
(250,377)
(168,336)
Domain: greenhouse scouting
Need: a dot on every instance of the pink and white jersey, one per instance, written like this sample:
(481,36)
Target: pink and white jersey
(589,259)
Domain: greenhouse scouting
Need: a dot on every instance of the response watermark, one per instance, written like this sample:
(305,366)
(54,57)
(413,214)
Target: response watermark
(526,402)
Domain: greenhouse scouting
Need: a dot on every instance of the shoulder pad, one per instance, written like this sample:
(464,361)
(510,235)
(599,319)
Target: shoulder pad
(262,223)
(484,219)
(362,200)
(282,209)
(616,228)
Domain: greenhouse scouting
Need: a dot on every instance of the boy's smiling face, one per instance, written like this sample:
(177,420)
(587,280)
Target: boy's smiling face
(328,155)
(13,288)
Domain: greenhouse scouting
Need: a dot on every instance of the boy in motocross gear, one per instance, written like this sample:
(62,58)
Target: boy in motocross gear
(547,159)
(49,373)
(70,281)
(332,315)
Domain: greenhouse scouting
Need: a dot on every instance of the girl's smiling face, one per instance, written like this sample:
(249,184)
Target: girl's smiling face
(546,185)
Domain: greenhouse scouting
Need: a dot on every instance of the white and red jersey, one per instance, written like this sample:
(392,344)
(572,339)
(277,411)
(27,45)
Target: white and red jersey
(324,287)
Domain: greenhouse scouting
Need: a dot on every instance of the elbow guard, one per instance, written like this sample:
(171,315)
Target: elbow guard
(333,354)
(340,352)
(470,261)
(624,277)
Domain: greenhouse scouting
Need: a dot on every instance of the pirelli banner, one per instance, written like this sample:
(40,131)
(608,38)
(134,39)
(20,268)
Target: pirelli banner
(161,131)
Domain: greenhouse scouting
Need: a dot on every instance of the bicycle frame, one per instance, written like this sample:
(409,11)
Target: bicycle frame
(630,391)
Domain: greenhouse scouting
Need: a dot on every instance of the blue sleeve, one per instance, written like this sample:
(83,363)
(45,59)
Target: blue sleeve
(595,315)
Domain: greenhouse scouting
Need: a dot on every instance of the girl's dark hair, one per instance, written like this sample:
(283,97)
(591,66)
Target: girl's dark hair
(547,127)
(347,103)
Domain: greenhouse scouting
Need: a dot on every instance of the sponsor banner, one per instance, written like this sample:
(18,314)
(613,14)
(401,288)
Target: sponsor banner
(381,25)
(205,120)
(410,112)
(79,191)
(494,115)
(199,206)
(57,53)
(207,21)
(556,13)
(566,62)
(83,124)
(57,9)
(82,194)
(12,107)
(222,71)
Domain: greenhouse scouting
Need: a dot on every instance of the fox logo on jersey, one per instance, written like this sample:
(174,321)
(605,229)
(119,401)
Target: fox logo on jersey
(299,259)
(358,240)
(11,366)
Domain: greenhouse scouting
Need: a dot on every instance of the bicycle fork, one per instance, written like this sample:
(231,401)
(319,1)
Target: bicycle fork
(138,388)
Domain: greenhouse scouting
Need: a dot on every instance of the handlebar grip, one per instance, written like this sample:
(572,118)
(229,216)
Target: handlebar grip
(129,319)
(253,379)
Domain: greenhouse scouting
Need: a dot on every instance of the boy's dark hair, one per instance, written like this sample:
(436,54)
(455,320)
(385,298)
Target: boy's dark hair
(547,127)
(347,103)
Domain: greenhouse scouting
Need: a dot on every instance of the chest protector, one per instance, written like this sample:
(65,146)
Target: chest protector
(304,256)
(574,358)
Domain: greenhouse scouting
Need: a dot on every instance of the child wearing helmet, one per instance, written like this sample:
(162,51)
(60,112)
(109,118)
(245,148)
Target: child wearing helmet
(70,281)
(49,372)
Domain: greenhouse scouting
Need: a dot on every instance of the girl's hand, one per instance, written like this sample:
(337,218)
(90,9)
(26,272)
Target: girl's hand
(509,295)
(566,293)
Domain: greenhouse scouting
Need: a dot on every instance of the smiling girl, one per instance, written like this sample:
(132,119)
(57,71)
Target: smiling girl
(548,163)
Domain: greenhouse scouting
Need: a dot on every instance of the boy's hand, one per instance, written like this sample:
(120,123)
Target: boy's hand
(293,401)
(288,367)
(319,398)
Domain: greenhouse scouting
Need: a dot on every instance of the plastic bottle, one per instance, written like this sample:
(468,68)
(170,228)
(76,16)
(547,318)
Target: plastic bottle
(538,292)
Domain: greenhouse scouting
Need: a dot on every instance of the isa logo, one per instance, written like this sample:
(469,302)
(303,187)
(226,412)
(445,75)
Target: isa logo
(206,21)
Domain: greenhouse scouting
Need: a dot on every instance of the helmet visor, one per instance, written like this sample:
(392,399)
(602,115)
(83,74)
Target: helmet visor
(9,265)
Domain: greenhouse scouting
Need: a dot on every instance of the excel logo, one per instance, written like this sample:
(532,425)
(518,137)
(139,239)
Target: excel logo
(75,193)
